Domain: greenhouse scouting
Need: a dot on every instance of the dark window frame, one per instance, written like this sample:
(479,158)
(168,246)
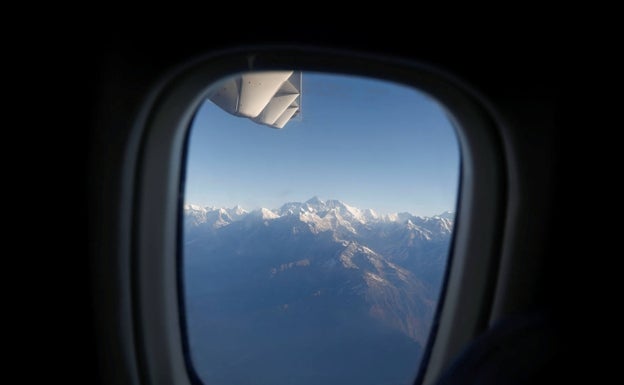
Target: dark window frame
(466,300)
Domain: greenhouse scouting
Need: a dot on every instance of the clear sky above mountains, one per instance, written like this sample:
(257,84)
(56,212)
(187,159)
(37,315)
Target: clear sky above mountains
(371,143)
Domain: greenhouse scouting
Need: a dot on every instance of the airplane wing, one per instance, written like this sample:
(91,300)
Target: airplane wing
(269,97)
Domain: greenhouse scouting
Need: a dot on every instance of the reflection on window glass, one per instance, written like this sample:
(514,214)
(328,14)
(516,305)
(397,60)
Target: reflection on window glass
(314,253)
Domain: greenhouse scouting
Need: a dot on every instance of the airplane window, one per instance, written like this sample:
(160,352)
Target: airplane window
(318,217)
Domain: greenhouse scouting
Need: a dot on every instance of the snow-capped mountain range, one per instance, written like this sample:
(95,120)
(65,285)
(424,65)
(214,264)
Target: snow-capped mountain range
(321,216)
(285,277)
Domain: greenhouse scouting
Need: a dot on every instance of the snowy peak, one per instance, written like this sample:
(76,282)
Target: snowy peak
(262,214)
(236,212)
(447,215)
(369,215)
(293,208)
(348,212)
(194,208)
(268,214)
(321,209)
(315,201)
(196,215)
(397,217)
(330,220)
(218,218)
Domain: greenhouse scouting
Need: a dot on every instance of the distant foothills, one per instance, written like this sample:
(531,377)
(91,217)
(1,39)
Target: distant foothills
(311,292)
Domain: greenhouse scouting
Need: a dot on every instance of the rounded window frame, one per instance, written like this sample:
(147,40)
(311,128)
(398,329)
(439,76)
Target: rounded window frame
(164,124)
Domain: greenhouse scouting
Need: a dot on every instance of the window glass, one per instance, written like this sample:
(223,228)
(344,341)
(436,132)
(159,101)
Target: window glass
(318,216)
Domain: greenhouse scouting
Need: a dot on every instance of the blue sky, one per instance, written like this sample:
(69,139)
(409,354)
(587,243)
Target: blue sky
(369,143)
